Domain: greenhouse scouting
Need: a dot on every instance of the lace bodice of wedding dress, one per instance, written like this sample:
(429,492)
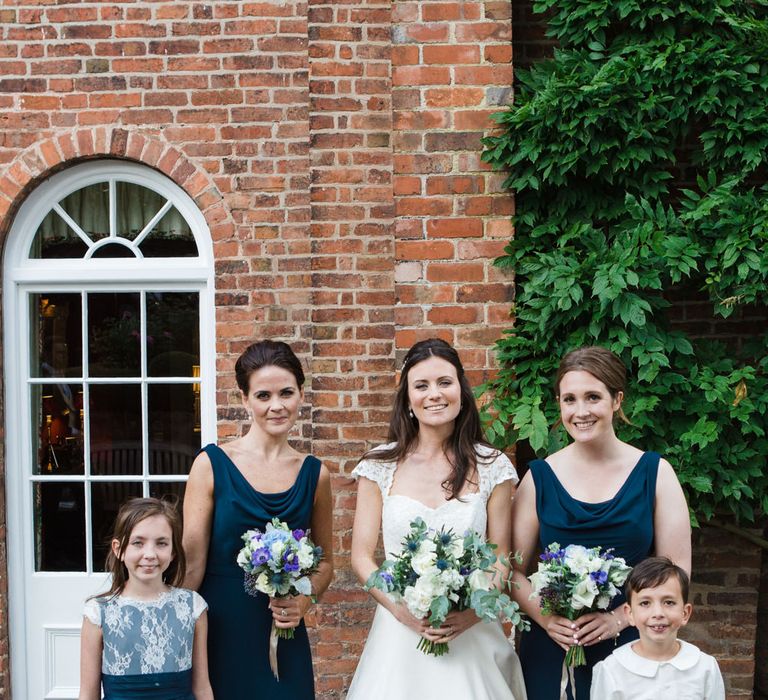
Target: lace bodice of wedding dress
(469,512)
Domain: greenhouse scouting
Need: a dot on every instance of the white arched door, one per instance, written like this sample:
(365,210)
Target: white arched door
(109,380)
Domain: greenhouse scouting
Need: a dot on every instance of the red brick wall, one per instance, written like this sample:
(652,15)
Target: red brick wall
(333,147)
(451,69)
(761,642)
(726,573)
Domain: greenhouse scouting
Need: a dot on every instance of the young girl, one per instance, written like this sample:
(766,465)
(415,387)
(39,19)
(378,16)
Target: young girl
(144,638)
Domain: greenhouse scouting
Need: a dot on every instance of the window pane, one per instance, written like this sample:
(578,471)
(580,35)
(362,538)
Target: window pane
(173,334)
(174,428)
(114,335)
(59,526)
(113,250)
(58,436)
(106,499)
(55,239)
(136,205)
(89,209)
(172,491)
(170,237)
(115,422)
(56,345)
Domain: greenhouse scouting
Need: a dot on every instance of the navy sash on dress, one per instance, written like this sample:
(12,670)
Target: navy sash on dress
(150,686)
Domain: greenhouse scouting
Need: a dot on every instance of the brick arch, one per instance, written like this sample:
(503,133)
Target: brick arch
(45,157)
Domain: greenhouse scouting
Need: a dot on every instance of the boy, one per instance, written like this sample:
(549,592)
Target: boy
(658,665)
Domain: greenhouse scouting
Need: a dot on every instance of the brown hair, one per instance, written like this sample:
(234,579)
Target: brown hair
(266,353)
(461,445)
(654,571)
(131,513)
(602,364)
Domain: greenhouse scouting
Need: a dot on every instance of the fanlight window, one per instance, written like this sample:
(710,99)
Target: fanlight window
(113,219)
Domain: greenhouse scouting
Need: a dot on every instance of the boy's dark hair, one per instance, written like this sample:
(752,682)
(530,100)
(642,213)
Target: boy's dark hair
(654,571)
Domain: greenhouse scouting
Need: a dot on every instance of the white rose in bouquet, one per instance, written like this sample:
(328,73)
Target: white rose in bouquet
(306,555)
(584,594)
(263,584)
(539,580)
(577,559)
(480,581)
(424,560)
(419,597)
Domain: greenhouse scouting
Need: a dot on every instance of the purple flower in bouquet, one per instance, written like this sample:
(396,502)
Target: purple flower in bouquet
(259,557)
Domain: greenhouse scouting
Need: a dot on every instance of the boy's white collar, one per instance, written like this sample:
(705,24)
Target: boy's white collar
(686,658)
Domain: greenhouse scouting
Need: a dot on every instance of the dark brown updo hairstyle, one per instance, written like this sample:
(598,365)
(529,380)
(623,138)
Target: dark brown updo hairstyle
(467,435)
(266,353)
(131,513)
(602,364)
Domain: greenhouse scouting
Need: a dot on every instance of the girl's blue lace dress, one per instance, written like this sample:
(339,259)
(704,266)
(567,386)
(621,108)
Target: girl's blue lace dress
(147,644)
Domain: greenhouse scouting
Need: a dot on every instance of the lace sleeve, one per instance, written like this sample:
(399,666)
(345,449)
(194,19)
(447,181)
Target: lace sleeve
(92,612)
(494,470)
(380,472)
(199,606)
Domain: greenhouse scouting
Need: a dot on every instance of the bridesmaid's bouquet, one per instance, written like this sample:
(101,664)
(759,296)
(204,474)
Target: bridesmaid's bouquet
(439,571)
(278,562)
(574,581)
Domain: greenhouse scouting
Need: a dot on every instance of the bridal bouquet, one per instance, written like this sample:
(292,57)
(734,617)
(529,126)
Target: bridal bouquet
(574,581)
(278,562)
(440,571)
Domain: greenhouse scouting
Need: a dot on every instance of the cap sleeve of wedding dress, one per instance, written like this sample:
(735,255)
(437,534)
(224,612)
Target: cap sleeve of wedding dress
(379,472)
(493,468)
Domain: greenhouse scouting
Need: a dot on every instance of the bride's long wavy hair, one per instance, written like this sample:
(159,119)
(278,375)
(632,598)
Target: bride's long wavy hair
(460,447)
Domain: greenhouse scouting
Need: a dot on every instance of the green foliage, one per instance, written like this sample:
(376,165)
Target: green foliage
(638,155)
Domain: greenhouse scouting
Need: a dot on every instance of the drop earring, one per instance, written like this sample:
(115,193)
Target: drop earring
(410,412)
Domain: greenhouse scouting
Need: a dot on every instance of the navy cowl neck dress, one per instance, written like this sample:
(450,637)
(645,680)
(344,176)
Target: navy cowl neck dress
(624,523)
(239,624)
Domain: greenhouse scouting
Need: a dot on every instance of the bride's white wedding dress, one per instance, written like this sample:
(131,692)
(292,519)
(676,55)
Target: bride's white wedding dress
(481,663)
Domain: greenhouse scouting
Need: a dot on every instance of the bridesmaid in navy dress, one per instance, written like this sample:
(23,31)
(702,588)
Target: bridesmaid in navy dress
(242,485)
(597,491)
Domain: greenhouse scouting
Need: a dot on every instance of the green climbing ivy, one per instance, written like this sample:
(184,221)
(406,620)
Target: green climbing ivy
(638,156)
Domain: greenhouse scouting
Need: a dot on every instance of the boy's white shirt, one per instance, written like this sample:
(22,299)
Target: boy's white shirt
(689,675)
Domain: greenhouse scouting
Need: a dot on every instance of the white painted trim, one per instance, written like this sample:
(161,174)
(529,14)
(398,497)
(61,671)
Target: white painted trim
(23,276)
(14,494)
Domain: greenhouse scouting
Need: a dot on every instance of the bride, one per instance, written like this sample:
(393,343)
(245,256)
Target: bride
(436,466)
